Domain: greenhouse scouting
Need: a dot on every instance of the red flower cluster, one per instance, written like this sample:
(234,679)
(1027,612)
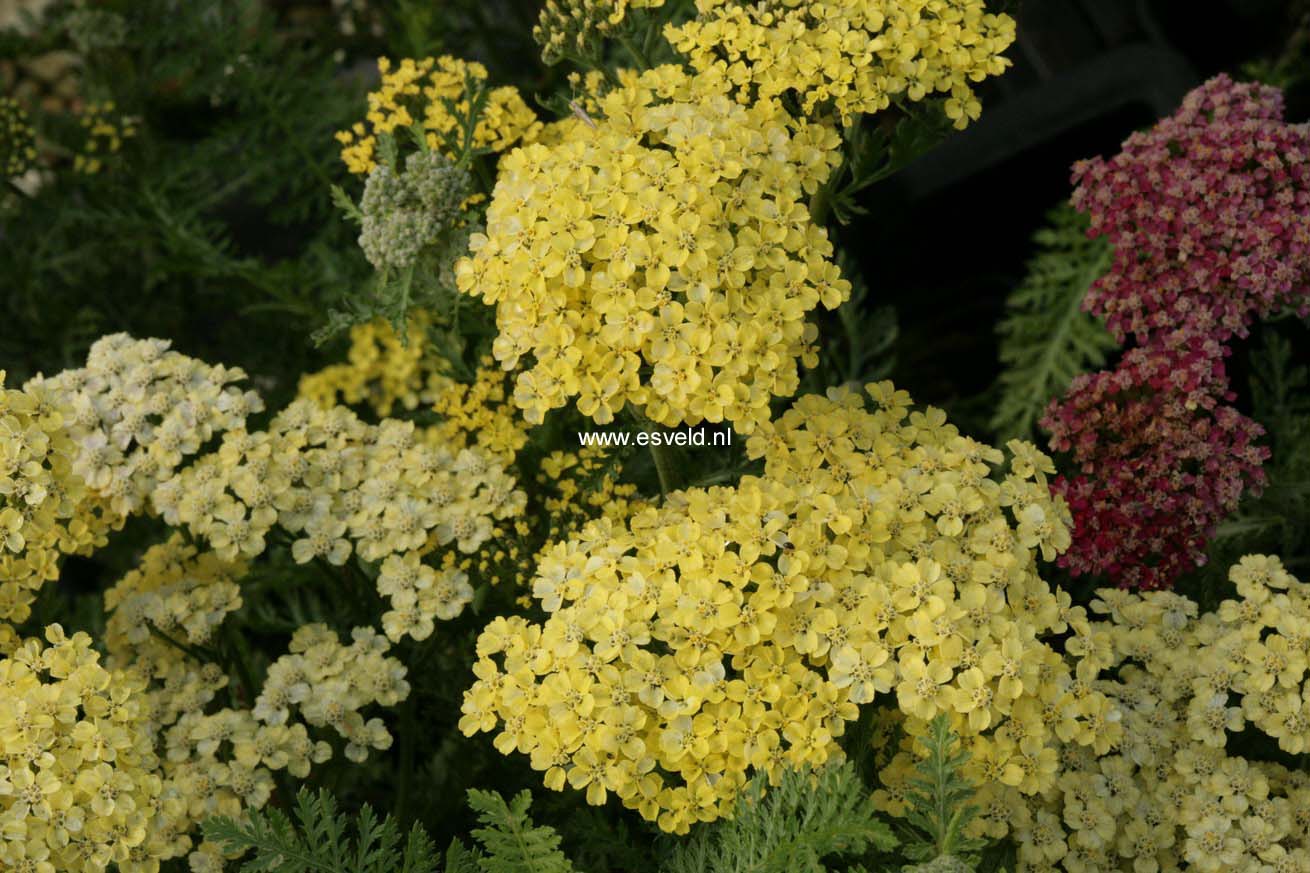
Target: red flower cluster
(1209,215)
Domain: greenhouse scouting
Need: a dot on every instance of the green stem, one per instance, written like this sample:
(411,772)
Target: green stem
(637,54)
(200,653)
(663,467)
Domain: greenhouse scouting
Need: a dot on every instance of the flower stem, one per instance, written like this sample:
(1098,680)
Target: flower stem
(663,467)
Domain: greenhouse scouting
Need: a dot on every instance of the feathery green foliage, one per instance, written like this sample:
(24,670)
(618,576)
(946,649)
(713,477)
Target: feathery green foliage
(938,806)
(1046,338)
(513,843)
(790,828)
(319,840)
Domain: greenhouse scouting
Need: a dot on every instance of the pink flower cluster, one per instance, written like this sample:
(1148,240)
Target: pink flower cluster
(1209,215)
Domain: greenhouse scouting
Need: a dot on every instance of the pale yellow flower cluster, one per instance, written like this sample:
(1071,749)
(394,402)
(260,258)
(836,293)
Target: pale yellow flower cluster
(662,255)
(82,450)
(855,55)
(221,761)
(738,629)
(417,93)
(79,782)
(335,485)
(137,410)
(1172,796)
(328,684)
(576,27)
(44,508)
(176,591)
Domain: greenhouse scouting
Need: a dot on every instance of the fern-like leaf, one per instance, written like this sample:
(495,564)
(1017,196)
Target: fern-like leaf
(807,817)
(512,842)
(1046,338)
(319,841)
(939,803)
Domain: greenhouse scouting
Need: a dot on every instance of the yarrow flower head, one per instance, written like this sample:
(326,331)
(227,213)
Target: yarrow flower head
(438,96)
(220,760)
(405,212)
(1206,212)
(738,629)
(79,780)
(104,133)
(44,507)
(175,590)
(138,409)
(1173,795)
(663,257)
(339,486)
(1161,459)
(855,55)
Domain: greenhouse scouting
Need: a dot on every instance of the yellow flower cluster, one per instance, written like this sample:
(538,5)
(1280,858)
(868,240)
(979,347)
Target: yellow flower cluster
(179,592)
(1171,796)
(662,257)
(382,370)
(581,486)
(575,27)
(857,55)
(334,485)
(79,782)
(329,684)
(104,135)
(221,762)
(738,629)
(138,409)
(43,507)
(17,139)
(422,93)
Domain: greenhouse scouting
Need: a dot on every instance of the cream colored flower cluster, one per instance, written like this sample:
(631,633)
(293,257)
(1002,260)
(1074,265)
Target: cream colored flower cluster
(137,410)
(738,629)
(79,782)
(82,450)
(857,55)
(335,485)
(423,93)
(329,683)
(176,591)
(662,255)
(221,761)
(1172,796)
